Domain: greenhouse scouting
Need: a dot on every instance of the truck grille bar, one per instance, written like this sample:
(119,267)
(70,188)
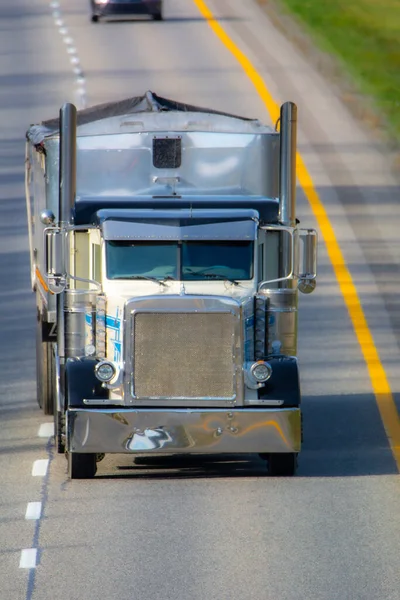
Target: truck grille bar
(183,355)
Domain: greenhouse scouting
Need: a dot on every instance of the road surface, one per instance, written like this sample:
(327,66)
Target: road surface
(208,529)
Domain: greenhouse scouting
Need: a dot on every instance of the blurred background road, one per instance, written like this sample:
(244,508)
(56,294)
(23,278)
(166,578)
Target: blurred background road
(219,528)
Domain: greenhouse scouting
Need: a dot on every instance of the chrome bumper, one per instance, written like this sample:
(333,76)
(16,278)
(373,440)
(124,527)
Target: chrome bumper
(184,431)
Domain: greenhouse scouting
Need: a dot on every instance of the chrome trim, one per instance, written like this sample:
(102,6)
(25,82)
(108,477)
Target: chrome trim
(47,217)
(308,273)
(287,168)
(282,321)
(106,401)
(184,431)
(59,401)
(264,402)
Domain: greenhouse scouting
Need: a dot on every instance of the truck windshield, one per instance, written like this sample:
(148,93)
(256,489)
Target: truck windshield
(188,261)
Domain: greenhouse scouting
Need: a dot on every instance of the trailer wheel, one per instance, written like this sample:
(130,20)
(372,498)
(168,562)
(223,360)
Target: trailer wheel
(44,364)
(81,466)
(281,464)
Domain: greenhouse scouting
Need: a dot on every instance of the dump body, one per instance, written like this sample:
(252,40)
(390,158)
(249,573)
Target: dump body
(165,256)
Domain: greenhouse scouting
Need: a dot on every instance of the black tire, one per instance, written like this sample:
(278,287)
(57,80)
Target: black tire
(81,466)
(158,17)
(282,464)
(44,364)
(59,432)
(59,415)
(95,18)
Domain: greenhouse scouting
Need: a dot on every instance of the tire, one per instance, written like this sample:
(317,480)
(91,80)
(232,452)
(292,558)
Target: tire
(58,394)
(59,432)
(44,364)
(94,18)
(81,466)
(158,17)
(281,464)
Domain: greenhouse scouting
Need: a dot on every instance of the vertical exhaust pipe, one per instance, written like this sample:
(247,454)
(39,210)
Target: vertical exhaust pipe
(66,200)
(287,169)
(67,180)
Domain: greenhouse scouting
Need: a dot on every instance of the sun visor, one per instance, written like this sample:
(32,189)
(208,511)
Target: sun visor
(179,229)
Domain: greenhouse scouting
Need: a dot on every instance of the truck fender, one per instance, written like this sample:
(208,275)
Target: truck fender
(81,382)
(284,383)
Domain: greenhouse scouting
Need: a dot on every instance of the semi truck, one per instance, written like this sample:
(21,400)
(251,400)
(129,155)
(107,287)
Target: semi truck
(166,260)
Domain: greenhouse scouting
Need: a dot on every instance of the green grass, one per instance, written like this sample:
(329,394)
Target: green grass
(365,36)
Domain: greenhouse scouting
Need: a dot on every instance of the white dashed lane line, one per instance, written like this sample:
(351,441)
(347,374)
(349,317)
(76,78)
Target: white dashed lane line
(72,52)
(33,510)
(46,430)
(28,558)
(39,468)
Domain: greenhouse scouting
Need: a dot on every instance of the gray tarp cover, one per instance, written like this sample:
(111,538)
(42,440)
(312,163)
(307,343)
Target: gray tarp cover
(149,102)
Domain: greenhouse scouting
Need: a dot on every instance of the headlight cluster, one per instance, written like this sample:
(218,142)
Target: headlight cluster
(105,371)
(257,373)
(261,371)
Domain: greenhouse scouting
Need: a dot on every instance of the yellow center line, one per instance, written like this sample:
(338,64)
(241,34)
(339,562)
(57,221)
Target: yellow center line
(380,384)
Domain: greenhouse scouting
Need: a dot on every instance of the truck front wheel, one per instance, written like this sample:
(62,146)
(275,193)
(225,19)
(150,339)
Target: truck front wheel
(81,466)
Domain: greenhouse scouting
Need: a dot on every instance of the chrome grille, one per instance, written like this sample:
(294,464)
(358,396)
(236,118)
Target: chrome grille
(184,355)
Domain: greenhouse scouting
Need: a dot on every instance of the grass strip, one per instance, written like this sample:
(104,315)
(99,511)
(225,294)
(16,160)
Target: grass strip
(365,36)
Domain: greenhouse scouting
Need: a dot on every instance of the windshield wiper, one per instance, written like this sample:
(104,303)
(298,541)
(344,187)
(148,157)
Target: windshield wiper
(212,276)
(145,277)
(218,276)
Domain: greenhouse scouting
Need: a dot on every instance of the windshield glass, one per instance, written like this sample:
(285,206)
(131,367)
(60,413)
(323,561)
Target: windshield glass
(188,261)
(132,259)
(218,260)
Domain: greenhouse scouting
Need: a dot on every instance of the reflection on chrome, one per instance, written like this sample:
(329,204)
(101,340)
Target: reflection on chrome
(185,430)
(149,439)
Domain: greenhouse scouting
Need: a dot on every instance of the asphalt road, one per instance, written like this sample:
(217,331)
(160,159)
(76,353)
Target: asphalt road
(204,529)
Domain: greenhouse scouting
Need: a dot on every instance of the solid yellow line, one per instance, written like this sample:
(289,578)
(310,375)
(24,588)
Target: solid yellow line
(380,384)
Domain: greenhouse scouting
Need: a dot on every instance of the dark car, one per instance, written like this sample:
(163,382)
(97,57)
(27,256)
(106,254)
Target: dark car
(109,8)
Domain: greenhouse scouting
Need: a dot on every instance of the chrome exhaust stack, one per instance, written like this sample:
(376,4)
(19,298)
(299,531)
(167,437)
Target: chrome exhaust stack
(287,168)
(66,200)
(67,177)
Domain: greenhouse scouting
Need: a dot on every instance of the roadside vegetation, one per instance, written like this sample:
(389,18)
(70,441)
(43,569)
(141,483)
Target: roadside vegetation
(365,36)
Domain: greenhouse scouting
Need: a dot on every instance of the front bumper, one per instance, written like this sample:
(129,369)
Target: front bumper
(183,431)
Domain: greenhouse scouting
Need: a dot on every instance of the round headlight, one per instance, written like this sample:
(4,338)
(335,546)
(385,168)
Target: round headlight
(105,371)
(261,371)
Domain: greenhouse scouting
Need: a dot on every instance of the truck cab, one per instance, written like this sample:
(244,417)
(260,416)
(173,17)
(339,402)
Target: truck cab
(172,258)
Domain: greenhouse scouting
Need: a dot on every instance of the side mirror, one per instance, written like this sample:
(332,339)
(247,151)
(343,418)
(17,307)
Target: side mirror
(286,242)
(307,260)
(54,259)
